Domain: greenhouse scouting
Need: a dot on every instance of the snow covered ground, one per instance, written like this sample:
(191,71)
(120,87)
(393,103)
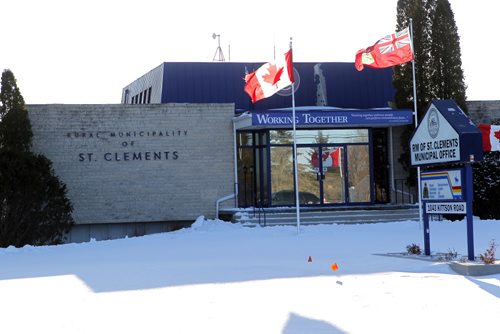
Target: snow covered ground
(217,277)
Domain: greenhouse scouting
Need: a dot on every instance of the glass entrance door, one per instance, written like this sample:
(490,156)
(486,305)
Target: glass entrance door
(333,175)
(309,177)
(321,175)
(334,167)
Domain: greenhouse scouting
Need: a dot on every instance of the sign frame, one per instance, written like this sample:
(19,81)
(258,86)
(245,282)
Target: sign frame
(429,147)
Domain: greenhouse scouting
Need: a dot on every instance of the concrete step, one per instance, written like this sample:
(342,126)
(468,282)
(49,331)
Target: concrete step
(309,217)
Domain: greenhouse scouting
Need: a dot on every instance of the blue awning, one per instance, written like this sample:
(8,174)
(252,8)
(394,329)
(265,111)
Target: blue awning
(324,117)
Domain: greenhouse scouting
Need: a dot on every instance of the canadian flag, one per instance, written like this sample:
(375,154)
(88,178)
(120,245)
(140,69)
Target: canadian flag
(491,137)
(270,78)
(330,158)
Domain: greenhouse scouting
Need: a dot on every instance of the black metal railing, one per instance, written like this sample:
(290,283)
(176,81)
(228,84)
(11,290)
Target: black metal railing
(404,193)
(260,212)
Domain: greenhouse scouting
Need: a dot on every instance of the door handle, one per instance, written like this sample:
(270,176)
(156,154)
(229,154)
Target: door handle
(320,175)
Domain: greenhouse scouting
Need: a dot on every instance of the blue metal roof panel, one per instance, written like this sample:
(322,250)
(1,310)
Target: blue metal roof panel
(204,83)
(349,88)
(217,82)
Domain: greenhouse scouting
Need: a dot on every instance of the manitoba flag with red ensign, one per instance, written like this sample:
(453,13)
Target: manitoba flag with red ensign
(391,50)
(270,78)
(491,137)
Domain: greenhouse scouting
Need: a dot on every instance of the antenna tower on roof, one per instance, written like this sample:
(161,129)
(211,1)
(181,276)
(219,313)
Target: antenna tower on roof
(218,56)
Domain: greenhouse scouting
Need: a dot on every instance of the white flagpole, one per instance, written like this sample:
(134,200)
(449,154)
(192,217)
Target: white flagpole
(416,121)
(295,168)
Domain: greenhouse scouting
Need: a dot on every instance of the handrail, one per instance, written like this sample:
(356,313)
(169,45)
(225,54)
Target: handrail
(220,200)
(400,190)
(257,209)
(264,214)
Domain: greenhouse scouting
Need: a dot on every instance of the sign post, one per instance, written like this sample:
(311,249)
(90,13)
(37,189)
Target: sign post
(427,234)
(469,196)
(446,135)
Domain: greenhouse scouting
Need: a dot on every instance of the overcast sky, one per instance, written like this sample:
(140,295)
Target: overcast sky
(85,52)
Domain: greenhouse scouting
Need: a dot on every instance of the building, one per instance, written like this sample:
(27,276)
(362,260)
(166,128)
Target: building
(132,170)
(484,111)
(345,130)
(186,136)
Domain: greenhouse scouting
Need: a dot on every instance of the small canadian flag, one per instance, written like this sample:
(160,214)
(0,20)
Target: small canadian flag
(270,78)
(491,137)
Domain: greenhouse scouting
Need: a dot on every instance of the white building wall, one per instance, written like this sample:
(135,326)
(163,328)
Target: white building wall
(138,163)
(153,79)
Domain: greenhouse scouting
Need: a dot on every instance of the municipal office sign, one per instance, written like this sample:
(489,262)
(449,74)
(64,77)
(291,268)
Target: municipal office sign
(435,140)
(445,135)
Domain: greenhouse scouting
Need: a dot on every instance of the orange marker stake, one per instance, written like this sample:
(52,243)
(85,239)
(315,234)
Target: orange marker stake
(335,267)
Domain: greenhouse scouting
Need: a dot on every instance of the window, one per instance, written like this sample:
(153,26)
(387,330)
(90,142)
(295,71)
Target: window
(358,170)
(319,136)
(125,98)
(244,139)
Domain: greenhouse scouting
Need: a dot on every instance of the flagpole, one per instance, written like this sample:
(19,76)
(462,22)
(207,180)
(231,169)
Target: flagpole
(295,168)
(416,120)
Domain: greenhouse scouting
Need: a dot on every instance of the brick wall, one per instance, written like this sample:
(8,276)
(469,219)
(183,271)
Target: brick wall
(138,163)
(483,111)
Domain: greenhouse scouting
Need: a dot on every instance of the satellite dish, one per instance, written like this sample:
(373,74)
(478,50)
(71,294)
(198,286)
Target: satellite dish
(214,35)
